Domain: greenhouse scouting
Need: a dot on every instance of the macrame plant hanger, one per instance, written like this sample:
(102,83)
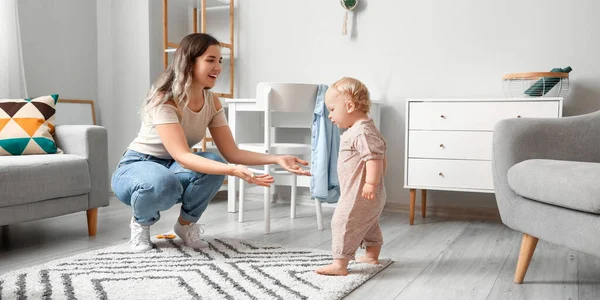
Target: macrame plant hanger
(348,5)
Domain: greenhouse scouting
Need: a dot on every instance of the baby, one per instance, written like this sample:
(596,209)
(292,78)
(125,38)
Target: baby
(361,167)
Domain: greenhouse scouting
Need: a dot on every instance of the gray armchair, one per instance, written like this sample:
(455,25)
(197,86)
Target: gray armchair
(547,182)
(34,187)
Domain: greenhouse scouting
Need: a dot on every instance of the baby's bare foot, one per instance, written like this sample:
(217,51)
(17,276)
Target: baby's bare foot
(368,260)
(332,270)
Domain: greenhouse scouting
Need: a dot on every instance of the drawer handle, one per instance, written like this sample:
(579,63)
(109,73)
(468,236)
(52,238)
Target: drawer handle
(442,146)
(518,116)
(442,116)
(441,174)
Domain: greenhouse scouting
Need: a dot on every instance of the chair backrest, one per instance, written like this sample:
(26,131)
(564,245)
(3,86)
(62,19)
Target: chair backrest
(286,105)
(287,97)
(291,105)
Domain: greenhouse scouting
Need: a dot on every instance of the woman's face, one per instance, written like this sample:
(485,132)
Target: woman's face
(208,67)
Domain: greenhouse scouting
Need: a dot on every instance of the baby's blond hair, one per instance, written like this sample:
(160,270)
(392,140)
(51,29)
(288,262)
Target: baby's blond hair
(356,90)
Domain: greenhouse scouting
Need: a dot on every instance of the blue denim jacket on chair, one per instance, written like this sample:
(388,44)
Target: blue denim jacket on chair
(325,144)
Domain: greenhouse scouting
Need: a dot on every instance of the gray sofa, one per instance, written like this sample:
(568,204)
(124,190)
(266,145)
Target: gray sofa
(547,182)
(34,187)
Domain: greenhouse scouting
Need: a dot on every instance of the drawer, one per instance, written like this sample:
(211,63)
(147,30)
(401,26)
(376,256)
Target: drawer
(450,144)
(459,174)
(475,115)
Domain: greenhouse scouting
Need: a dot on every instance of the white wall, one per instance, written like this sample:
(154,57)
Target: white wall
(124,69)
(59,45)
(417,49)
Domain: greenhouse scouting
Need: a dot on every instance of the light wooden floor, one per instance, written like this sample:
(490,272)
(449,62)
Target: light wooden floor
(434,259)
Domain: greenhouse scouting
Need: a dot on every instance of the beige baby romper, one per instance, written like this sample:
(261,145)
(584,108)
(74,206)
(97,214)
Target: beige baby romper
(355,221)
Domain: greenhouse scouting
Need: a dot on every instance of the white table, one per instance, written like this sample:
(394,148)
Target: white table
(234,106)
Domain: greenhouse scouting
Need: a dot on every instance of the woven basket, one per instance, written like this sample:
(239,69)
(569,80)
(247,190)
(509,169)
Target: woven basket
(536,84)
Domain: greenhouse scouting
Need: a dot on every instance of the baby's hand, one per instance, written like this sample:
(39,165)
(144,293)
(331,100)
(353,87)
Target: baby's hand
(369,191)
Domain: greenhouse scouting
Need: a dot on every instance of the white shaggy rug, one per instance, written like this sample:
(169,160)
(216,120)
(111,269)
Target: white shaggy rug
(228,269)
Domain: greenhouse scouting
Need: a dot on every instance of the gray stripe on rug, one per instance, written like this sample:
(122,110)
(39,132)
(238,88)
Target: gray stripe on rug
(204,276)
(99,289)
(125,260)
(278,282)
(159,261)
(249,246)
(178,248)
(135,265)
(294,274)
(102,293)
(255,248)
(189,289)
(45,280)
(214,285)
(278,264)
(154,248)
(256,282)
(282,256)
(68,285)
(203,254)
(75,261)
(213,248)
(234,250)
(21,287)
(225,276)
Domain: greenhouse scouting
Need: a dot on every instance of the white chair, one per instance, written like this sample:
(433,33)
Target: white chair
(286,105)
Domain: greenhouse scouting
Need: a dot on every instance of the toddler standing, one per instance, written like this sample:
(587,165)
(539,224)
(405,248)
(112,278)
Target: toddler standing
(361,167)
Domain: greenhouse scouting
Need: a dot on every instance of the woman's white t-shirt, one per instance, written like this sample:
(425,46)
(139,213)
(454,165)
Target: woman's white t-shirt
(194,125)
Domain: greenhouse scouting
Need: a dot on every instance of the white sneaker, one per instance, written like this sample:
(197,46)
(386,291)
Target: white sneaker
(140,237)
(190,234)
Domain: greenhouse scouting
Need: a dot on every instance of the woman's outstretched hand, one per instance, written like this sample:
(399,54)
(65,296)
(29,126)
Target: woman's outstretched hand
(247,175)
(292,164)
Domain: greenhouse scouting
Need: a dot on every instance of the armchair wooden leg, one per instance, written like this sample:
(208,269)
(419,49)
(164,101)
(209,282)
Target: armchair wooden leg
(92,221)
(527,248)
(423,202)
(411,213)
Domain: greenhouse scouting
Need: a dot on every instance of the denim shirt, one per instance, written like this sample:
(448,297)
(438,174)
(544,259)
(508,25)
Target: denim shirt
(325,144)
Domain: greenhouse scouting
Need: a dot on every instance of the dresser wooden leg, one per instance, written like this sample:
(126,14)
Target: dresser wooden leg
(413,195)
(423,202)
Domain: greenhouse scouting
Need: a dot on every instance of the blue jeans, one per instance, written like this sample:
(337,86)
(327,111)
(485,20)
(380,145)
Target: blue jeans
(149,185)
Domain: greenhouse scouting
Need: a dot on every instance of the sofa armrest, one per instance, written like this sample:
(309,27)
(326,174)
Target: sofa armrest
(515,140)
(91,142)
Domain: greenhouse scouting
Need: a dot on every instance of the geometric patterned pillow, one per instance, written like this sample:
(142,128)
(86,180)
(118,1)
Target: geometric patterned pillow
(27,125)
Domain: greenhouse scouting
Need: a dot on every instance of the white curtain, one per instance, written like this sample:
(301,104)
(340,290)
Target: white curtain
(12,75)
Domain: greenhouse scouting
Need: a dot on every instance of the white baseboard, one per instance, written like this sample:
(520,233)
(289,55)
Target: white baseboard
(469,213)
(454,212)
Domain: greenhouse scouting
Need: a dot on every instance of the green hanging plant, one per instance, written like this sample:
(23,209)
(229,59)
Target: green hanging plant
(349,4)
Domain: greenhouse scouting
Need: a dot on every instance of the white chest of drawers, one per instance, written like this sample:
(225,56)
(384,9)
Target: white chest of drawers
(448,142)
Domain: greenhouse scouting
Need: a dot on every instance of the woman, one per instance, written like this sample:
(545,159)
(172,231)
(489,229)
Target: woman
(158,169)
